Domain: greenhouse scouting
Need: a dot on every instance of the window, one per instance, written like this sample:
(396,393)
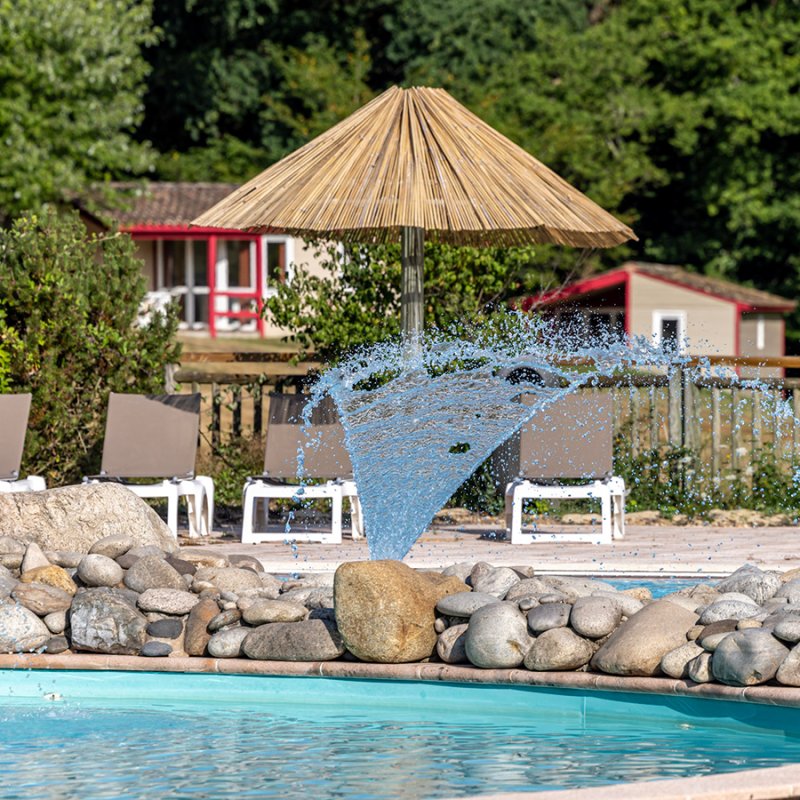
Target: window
(669,329)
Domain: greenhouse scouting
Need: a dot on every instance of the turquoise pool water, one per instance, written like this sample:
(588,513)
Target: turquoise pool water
(146,735)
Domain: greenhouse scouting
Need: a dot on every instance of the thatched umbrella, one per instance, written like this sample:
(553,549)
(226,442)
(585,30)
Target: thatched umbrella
(409,163)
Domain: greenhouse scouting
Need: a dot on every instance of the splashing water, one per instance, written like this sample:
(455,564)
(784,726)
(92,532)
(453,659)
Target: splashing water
(421,416)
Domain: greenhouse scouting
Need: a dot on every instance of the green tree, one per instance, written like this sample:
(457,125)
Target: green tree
(71,86)
(357,298)
(68,326)
(683,116)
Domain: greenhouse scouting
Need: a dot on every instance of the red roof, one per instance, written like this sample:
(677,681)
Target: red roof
(744,296)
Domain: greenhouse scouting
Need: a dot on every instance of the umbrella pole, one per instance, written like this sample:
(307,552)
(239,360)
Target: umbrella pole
(411,294)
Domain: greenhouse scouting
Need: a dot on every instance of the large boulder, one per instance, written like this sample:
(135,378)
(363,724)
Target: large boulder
(638,645)
(75,517)
(106,621)
(385,610)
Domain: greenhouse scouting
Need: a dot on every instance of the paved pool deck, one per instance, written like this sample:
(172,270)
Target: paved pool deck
(646,551)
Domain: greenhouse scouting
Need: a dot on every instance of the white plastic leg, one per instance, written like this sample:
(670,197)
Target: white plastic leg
(517,499)
(207,508)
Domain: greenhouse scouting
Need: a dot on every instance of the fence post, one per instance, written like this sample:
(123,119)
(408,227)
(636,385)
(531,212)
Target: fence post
(716,434)
(169,378)
(676,403)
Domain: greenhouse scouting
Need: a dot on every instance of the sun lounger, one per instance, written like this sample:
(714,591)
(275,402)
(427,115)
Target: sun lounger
(14,411)
(571,439)
(155,436)
(323,453)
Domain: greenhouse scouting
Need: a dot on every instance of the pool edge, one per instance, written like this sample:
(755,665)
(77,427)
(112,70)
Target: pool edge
(764,694)
(775,783)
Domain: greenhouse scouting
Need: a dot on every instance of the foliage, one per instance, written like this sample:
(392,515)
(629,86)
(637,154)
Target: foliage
(69,303)
(680,115)
(71,86)
(356,300)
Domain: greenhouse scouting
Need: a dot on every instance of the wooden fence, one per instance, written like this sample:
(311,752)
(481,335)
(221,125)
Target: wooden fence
(725,423)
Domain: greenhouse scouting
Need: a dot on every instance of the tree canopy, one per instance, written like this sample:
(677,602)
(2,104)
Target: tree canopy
(72,82)
(680,116)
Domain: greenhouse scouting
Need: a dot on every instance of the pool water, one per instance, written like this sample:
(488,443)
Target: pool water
(144,735)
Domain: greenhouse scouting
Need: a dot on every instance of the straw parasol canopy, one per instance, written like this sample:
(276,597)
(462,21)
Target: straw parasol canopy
(414,161)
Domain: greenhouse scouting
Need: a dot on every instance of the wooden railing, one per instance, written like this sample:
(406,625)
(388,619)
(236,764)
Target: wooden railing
(725,424)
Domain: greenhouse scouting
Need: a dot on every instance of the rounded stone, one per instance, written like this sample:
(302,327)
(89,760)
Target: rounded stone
(97,569)
(226,618)
(106,621)
(197,635)
(594,617)
(789,671)
(56,622)
(529,587)
(752,582)
(676,662)
(41,598)
(228,579)
(637,646)
(113,546)
(699,668)
(264,611)
(21,631)
(181,566)
(497,582)
(311,597)
(549,616)
(68,559)
(558,649)
(168,601)
(788,628)
(710,643)
(165,628)
(152,572)
(56,644)
(309,640)
(451,644)
(497,636)
(155,650)
(464,604)
(628,605)
(227,643)
(51,575)
(747,658)
(728,609)
(246,562)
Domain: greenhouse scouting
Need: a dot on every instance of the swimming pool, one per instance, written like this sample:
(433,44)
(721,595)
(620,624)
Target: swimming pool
(134,735)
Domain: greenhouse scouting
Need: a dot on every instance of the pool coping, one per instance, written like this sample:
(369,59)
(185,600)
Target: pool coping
(771,694)
(776,783)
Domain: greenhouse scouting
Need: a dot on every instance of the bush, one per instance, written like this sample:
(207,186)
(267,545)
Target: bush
(69,302)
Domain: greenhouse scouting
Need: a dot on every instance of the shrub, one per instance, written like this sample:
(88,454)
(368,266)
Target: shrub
(68,327)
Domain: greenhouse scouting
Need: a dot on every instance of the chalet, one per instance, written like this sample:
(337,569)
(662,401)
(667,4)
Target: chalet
(702,315)
(219,277)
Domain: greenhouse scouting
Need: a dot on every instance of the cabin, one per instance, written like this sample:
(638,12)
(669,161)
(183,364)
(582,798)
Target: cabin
(220,278)
(701,315)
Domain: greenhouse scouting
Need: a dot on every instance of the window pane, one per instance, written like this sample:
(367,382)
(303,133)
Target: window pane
(174,263)
(200,254)
(201,308)
(240,271)
(276,262)
(669,332)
